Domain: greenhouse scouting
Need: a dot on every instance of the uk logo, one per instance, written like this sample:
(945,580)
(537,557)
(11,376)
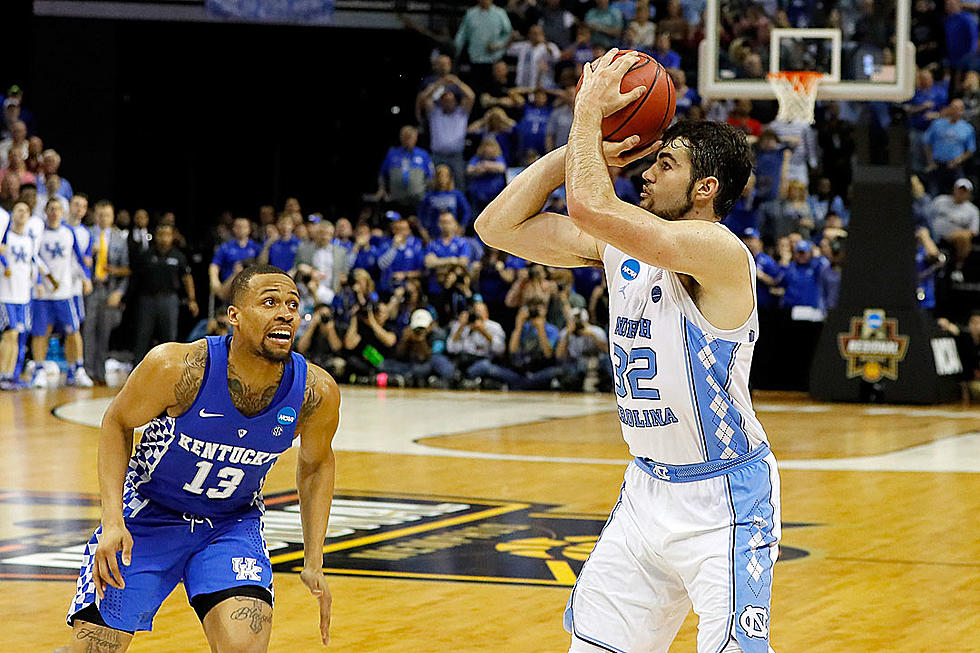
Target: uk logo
(246,569)
(656,294)
(630,269)
(286,416)
(754,621)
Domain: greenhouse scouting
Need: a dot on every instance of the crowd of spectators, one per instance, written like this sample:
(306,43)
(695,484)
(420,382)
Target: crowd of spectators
(407,294)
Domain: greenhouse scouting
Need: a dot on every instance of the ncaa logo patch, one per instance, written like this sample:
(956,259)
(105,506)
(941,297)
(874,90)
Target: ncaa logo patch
(286,416)
(656,294)
(630,269)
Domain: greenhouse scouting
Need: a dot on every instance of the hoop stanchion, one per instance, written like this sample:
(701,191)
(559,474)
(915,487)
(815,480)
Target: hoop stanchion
(797,94)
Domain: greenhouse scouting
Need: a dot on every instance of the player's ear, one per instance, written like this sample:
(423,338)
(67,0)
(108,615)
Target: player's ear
(233,313)
(706,189)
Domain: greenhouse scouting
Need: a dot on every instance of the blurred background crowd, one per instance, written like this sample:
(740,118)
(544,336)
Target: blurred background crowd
(401,291)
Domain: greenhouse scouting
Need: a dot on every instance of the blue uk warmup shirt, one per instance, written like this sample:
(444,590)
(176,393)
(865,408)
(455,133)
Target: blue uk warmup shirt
(230,253)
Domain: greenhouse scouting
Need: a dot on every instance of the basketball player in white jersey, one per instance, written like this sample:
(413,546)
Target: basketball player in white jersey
(698,519)
(15,292)
(77,209)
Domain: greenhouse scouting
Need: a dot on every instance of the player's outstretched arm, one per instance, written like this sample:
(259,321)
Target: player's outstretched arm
(514,223)
(315,470)
(694,247)
(166,373)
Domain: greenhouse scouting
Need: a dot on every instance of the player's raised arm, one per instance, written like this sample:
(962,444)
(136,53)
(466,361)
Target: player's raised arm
(315,471)
(514,223)
(676,186)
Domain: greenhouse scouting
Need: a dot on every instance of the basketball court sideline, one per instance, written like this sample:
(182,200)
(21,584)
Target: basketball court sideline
(462,520)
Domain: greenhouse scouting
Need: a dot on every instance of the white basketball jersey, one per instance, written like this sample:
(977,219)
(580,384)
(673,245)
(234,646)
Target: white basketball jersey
(57,252)
(16,288)
(682,385)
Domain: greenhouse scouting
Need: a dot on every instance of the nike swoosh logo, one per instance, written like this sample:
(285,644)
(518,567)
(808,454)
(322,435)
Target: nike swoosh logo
(206,414)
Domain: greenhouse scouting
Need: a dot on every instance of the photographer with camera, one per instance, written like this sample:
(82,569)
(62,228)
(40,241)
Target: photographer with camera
(320,342)
(367,343)
(420,354)
(582,348)
(474,338)
(447,260)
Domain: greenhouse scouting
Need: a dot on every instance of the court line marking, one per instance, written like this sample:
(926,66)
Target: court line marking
(375,421)
(408,575)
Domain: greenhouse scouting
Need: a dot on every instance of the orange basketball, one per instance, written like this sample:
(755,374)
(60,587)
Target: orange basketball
(649,116)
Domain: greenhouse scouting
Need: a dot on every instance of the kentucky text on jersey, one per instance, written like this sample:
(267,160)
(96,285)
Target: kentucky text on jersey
(217,451)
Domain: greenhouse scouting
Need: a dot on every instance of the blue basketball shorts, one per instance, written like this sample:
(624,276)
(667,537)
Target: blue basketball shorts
(57,313)
(671,543)
(79,303)
(18,317)
(169,548)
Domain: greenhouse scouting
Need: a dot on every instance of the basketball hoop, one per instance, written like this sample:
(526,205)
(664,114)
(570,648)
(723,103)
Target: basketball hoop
(797,94)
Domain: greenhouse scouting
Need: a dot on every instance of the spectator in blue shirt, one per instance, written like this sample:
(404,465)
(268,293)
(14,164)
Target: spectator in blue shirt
(405,171)
(662,52)
(824,202)
(623,186)
(744,215)
(961,34)
(769,274)
(948,142)
(495,123)
(402,259)
(768,166)
(533,126)
(363,255)
(280,248)
(231,252)
(445,251)
(687,97)
(487,174)
(922,109)
(442,198)
(802,283)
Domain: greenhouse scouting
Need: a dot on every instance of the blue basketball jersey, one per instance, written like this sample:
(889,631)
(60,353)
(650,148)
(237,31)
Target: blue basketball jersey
(211,461)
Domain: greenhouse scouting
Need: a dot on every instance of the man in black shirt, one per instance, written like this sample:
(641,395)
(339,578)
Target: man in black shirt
(158,273)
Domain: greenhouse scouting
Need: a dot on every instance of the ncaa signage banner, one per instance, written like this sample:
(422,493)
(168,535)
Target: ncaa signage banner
(274,11)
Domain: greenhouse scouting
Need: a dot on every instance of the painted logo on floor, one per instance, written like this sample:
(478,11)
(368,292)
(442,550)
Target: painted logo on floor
(370,534)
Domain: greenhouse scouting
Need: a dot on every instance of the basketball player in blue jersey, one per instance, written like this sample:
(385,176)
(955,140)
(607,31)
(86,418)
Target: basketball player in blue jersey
(185,506)
(698,518)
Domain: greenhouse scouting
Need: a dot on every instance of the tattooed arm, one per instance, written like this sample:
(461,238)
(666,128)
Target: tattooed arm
(167,379)
(315,467)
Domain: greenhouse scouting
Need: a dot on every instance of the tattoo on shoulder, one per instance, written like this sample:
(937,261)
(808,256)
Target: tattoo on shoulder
(312,397)
(185,391)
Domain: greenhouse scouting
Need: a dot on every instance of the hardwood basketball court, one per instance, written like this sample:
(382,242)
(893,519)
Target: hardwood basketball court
(462,518)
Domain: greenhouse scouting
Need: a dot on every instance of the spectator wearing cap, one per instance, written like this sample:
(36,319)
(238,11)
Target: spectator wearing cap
(922,109)
(404,172)
(483,35)
(231,253)
(956,221)
(949,142)
(447,104)
(403,257)
(420,353)
(801,281)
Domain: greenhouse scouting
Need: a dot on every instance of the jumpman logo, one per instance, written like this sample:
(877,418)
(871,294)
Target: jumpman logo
(20,254)
(622,291)
(54,251)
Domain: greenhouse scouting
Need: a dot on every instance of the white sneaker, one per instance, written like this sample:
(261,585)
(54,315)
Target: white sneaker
(40,380)
(81,378)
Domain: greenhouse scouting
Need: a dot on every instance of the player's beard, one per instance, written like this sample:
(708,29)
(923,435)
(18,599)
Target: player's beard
(676,212)
(270,354)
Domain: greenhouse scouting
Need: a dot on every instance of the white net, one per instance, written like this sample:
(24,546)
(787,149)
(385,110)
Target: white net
(797,94)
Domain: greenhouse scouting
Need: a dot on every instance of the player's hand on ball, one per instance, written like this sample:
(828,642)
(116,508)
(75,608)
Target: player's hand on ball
(601,81)
(105,570)
(316,582)
(620,154)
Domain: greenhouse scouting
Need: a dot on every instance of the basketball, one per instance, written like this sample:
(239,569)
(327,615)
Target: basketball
(649,116)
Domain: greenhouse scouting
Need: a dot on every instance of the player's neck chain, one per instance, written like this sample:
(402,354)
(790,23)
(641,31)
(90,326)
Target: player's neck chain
(248,401)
